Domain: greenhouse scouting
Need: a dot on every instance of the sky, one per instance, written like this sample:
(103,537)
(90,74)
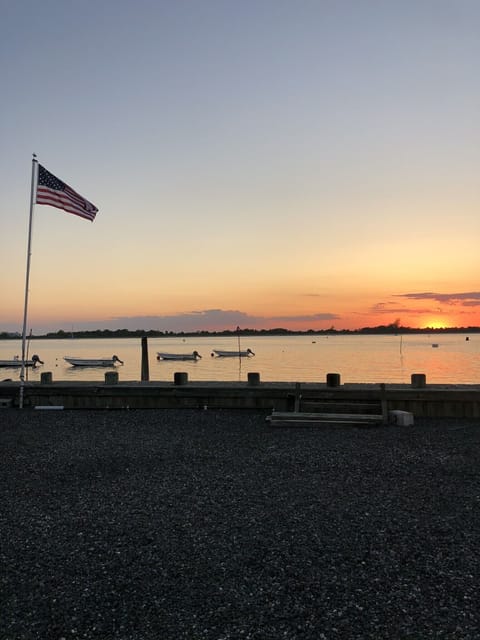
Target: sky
(266,163)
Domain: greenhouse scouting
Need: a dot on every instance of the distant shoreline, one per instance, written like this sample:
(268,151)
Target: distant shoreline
(392,330)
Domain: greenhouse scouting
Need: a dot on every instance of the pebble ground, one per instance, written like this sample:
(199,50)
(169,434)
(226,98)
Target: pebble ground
(182,524)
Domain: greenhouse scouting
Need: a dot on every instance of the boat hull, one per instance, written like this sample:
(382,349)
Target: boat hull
(179,356)
(233,354)
(90,362)
(16,364)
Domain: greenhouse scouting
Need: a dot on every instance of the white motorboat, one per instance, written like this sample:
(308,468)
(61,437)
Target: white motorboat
(16,362)
(178,356)
(248,353)
(93,362)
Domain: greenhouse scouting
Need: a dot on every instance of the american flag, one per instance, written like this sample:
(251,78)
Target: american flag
(52,191)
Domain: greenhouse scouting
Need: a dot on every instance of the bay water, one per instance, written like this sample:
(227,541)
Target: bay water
(444,359)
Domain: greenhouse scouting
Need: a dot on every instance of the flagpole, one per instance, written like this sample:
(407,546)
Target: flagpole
(27,277)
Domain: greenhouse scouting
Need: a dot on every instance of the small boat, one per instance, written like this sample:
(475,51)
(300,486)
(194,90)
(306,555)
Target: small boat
(232,354)
(16,362)
(179,356)
(93,362)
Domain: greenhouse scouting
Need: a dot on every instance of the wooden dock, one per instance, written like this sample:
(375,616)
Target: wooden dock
(462,401)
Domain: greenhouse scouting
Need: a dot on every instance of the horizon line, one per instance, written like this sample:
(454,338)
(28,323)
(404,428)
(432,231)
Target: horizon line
(381,329)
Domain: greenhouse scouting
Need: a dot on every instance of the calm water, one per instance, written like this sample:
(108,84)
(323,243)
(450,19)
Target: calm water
(374,359)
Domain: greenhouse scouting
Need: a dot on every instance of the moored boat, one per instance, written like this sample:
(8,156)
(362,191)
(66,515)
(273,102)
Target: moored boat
(93,362)
(16,362)
(178,356)
(248,353)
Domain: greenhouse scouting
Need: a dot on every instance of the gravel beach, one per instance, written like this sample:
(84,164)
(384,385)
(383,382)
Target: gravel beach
(173,524)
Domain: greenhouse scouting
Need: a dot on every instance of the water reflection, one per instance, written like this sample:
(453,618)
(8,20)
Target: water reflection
(374,359)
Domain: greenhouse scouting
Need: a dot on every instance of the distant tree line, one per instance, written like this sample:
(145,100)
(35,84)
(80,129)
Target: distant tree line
(389,329)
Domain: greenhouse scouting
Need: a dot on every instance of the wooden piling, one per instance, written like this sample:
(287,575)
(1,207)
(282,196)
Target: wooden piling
(419,380)
(145,374)
(46,377)
(111,377)
(333,379)
(180,377)
(253,378)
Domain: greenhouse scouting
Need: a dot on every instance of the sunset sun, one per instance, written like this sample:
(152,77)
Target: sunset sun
(435,323)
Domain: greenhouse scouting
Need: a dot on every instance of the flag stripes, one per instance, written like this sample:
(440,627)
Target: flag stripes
(55,193)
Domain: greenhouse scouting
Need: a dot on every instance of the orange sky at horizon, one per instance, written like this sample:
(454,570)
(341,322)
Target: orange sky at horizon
(359,284)
(340,313)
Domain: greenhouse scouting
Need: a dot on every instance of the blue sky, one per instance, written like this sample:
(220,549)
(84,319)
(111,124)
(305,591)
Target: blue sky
(255,163)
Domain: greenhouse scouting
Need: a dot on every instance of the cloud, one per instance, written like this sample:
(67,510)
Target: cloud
(389,308)
(316,317)
(207,320)
(191,321)
(467,299)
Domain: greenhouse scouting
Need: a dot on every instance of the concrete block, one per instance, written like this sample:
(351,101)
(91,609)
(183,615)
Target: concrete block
(400,418)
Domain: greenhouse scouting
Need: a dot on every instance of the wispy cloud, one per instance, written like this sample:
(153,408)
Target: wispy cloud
(467,299)
(389,308)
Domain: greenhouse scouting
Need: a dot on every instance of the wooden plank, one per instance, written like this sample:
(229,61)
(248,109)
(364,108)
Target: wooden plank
(298,397)
(384,410)
(340,407)
(341,403)
(312,423)
(296,415)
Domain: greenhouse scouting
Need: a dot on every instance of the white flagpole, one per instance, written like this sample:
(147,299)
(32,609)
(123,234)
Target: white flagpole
(27,276)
